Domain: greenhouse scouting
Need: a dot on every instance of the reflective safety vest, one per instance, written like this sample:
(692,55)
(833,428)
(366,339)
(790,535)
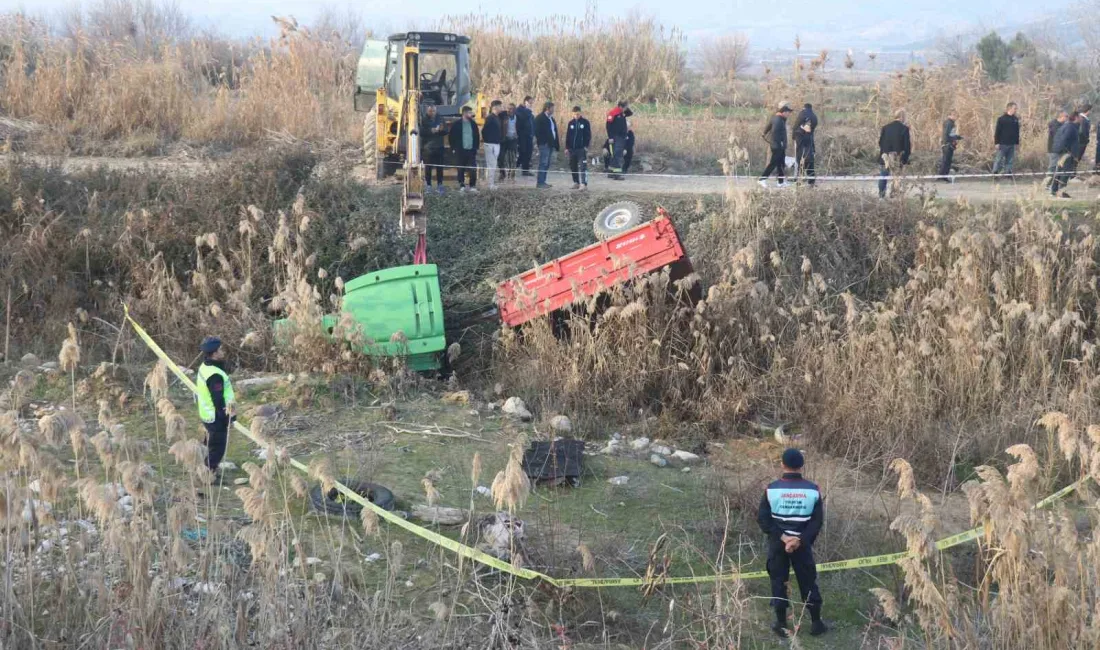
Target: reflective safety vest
(207,410)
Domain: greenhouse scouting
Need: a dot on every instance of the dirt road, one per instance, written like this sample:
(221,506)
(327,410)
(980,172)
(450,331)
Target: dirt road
(975,190)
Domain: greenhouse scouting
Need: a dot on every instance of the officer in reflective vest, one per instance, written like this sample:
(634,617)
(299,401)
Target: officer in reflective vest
(216,400)
(791,513)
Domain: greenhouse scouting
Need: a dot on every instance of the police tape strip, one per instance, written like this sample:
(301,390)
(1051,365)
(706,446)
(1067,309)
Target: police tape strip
(481,557)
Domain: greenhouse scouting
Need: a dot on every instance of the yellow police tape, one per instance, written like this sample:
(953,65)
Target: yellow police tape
(527,574)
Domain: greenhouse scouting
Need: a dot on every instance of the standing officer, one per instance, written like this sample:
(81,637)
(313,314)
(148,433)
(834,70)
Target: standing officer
(948,142)
(791,513)
(217,403)
(578,137)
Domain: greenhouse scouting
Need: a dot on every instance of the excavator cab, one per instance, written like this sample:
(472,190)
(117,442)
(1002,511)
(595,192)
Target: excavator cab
(441,63)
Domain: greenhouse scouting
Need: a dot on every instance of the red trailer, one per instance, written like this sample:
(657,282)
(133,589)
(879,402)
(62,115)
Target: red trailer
(582,274)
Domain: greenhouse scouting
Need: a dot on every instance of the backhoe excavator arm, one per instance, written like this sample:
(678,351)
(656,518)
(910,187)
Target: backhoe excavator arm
(414,218)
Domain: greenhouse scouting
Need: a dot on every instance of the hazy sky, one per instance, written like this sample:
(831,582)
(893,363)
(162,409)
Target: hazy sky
(821,23)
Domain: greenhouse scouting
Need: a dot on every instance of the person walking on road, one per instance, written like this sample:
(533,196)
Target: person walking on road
(431,134)
(775,134)
(791,514)
(546,135)
(492,134)
(948,142)
(525,130)
(894,149)
(1006,137)
(509,150)
(216,401)
(1052,132)
(616,134)
(465,140)
(578,137)
(1065,142)
(805,126)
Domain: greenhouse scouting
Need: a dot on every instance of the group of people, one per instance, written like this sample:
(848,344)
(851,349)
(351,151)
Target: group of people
(510,137)
(1067,140)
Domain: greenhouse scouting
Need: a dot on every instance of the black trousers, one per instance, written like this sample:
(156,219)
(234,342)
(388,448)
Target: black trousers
(805,570)
(467,167)
(526,147)
(778,164)
(805,155)
(217,434)
(618,151)
(628,155)
(434,161)
(1066,164)
(578,164)
(946,160)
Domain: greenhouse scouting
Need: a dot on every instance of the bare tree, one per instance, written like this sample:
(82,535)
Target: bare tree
(724,57)
(955,50)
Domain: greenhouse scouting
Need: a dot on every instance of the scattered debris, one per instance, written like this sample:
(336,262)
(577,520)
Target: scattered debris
(640,444)
(686,456)
(515,407)
(458,397)
(484,491)
(227,466)
(658,460)
(440,515)
(257,382)
(619,480)
(500,534)
(561,424)
(662,450)
(373,557)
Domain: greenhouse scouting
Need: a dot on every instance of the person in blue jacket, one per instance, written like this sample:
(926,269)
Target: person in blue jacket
(791,514)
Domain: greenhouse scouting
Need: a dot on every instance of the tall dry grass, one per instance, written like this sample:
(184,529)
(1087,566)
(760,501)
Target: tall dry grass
(883,330)
(564,59)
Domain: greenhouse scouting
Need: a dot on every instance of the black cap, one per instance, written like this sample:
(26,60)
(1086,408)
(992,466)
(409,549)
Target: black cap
(793,459)
(210,345)
(808,105)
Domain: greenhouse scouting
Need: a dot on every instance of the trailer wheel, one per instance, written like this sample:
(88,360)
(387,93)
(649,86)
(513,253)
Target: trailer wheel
(617,218)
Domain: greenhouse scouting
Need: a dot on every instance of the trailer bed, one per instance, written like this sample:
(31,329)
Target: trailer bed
(592,270)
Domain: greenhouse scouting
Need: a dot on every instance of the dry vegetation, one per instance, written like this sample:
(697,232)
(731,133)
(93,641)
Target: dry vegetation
(940,334)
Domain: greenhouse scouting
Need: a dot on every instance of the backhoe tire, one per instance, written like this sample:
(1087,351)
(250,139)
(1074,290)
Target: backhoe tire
(371,159)
(617,218)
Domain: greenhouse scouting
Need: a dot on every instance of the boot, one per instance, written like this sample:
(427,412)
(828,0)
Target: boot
(780,624)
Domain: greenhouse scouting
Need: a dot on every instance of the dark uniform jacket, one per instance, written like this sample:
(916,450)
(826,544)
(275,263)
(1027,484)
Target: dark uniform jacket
(895,139)
(1007,131)
(791,506)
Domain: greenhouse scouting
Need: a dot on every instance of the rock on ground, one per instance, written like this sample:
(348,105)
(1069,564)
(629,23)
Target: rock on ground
(658,460)
(257,382)
(30,360)
(440,515)
(640,444)
(619,480)
(661,450)
(515,407)
(686,457)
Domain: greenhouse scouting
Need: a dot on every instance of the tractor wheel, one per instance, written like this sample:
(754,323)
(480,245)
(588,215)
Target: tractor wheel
(617,218)
(371,158)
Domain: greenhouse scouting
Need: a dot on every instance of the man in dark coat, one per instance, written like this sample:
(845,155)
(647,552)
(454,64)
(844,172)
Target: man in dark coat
(805,126)
(432,131)
(948,142)
(894,149)
(1006,137)
(1065,142)
(791,514)
(1052,132)
(525,130)
(1084,130)
(546,136)
(616,133)
(578,137)
(775,134)
(465,140)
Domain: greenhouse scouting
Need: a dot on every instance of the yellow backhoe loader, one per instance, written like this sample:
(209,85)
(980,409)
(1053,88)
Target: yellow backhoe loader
(396,79)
